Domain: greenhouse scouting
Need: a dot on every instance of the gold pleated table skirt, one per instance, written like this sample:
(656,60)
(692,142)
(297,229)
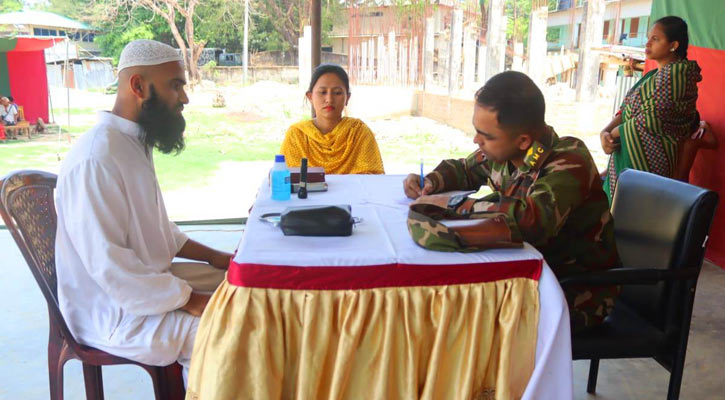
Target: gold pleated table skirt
(457,341)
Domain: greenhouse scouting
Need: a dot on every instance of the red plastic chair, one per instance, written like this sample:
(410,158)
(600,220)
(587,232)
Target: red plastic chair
(28,209)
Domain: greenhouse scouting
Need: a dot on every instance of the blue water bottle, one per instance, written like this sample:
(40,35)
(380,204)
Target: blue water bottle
(280,178)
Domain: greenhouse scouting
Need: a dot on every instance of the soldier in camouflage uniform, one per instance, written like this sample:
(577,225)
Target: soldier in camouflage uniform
(547,189)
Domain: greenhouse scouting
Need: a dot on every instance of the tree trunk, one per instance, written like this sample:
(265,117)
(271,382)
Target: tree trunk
(195,48)
(190,50)
(282,18)
(484,19)
(181,43)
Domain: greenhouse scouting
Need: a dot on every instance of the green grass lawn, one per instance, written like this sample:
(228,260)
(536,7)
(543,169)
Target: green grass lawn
(199,160)
(411,147)
(211,139)
(202,156)
(31,155)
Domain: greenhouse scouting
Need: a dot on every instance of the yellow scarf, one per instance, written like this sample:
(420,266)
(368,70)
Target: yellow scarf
(350,148)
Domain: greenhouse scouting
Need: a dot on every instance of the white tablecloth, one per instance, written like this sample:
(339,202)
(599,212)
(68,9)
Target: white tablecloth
(382,238)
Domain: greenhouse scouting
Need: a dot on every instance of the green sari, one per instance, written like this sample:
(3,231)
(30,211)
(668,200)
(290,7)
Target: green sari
(657,113)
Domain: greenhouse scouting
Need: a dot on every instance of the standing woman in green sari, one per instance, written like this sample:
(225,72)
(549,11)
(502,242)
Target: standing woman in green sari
(659,111)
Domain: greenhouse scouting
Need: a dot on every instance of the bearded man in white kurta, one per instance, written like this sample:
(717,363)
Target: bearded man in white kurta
(117,288)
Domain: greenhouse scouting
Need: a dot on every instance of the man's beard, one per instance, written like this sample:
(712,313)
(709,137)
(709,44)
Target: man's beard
(163,128)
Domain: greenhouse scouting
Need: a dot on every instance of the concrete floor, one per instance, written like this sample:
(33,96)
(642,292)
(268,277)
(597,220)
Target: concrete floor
(23,342)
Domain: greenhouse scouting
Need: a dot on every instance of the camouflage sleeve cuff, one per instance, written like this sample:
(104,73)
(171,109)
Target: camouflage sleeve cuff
(436,179)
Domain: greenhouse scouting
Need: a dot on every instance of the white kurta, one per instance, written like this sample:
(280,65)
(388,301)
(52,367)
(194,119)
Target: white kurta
(114,247)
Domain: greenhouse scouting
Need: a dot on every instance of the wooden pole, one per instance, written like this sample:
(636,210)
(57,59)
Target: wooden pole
(316,23)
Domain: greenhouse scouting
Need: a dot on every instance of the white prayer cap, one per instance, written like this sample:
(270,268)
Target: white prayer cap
(147,52)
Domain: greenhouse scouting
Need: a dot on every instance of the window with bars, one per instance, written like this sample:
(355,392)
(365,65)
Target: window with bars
(633,27)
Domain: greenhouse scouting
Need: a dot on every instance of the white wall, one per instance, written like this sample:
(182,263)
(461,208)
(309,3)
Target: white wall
(630,9)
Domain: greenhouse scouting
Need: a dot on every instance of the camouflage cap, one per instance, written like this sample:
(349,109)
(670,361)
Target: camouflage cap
(486,230)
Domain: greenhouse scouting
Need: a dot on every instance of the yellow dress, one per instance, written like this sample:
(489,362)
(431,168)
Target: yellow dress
(350,148)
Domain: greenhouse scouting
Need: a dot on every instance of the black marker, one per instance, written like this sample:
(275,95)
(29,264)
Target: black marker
(302,191)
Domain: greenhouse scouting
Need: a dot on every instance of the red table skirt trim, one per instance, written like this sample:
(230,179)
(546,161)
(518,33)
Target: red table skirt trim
(376,276)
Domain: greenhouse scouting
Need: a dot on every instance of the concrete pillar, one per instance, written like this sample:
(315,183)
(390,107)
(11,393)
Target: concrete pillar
(495,41)
(481,70)
(438,20)
(371,60)
(588,70)
(443,43)
(502,43)
(392,59)
(352,56)
(363,62)
(517,63)
(382,57)
(610,77)
(300,59)
(536,51)
(455,52)
(403,62)
(469,57)
(414,63)
(304,57)
(429,44)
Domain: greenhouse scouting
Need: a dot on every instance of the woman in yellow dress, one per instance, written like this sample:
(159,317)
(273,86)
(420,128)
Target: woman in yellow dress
(341,145)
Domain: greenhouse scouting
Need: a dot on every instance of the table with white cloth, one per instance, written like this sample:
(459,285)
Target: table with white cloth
(376,316)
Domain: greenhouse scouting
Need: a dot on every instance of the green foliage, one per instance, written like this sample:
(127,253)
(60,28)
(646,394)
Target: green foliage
(518,13)
(414,9)
(135,24)
(79,10)
(220,23)
(7,6)
(113,42)
(553,34)
(209,66)
(263,36)
(332,14)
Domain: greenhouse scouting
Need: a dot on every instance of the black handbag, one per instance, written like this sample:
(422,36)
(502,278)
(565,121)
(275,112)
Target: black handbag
(316,220)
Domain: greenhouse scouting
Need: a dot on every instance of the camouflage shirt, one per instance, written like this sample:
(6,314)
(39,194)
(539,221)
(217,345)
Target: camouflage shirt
(555,200)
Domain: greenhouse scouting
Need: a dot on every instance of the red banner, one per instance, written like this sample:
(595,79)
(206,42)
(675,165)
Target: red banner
(709,168)
(29,83)
(33,44)
(708,171)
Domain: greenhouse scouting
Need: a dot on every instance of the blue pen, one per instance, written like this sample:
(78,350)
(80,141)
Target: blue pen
(422,180)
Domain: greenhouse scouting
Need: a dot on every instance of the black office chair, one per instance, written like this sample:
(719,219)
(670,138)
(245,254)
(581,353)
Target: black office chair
(661,227)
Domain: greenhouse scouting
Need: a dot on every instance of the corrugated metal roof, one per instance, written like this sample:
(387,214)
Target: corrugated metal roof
(41,18)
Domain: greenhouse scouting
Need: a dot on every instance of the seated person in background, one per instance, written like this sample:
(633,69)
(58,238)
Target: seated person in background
(546,187)
(117,287)
(2,114)
(11,111)
(4,108)
(341,145)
